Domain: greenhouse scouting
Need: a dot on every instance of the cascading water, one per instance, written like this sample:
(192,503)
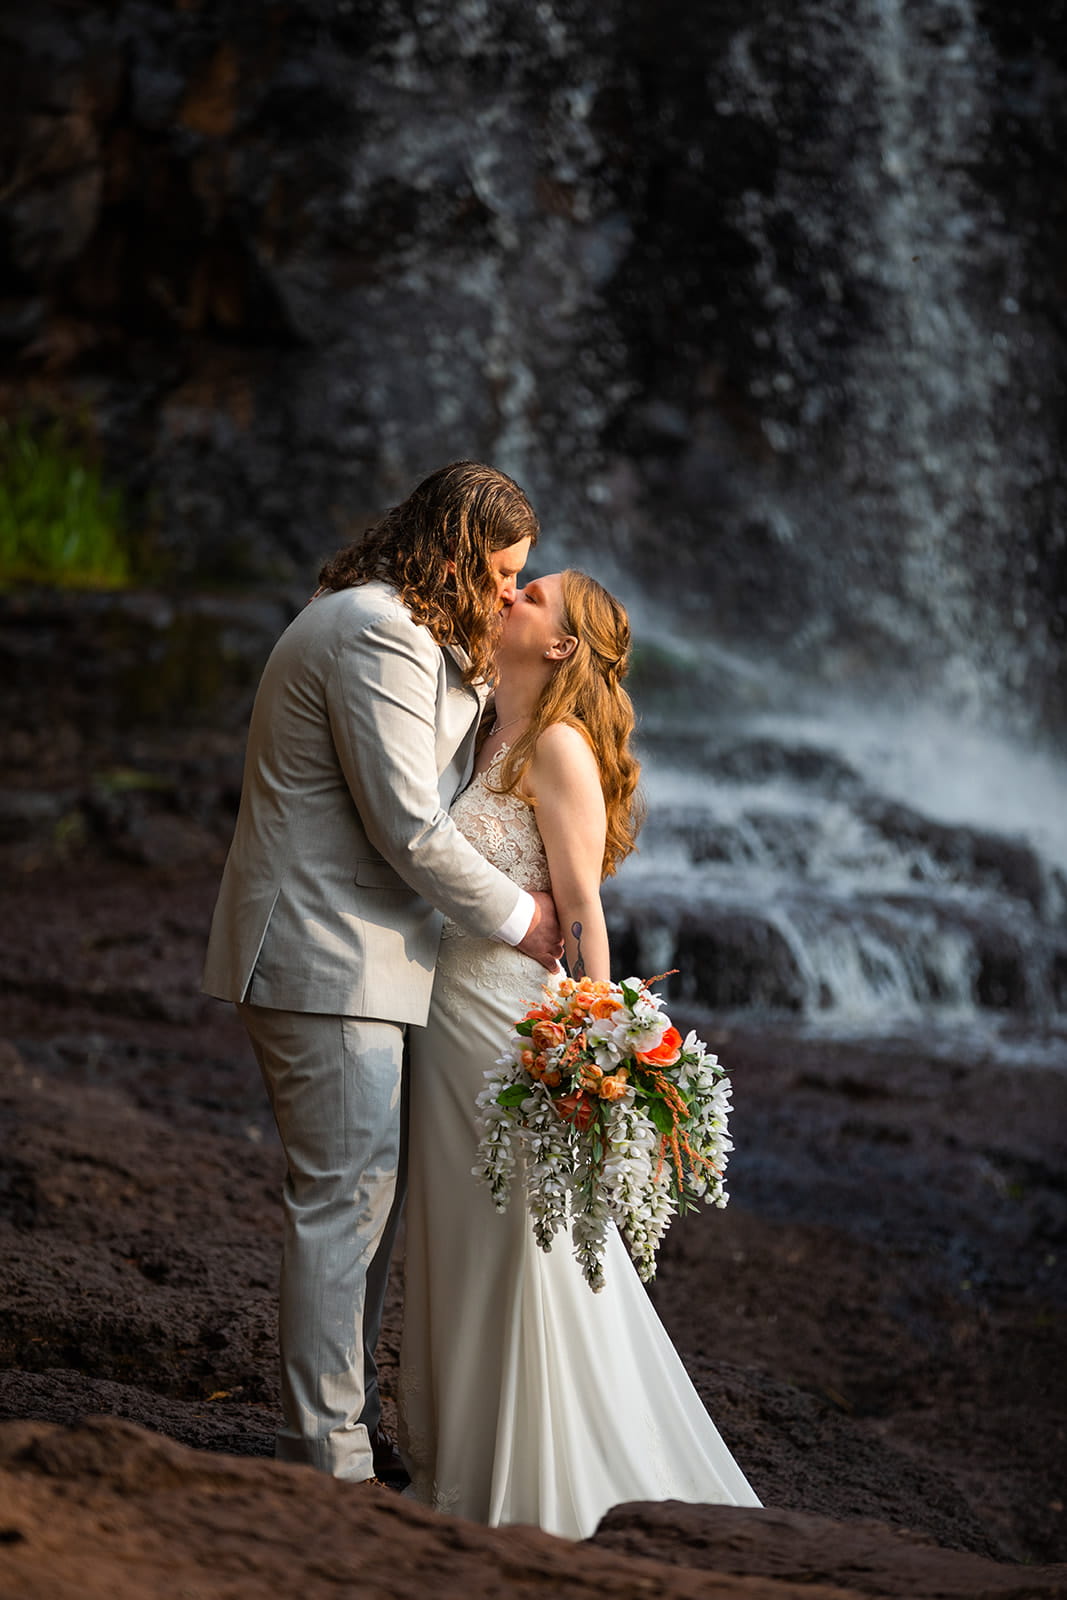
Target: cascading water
(932,386)
(893,375)
(855,872)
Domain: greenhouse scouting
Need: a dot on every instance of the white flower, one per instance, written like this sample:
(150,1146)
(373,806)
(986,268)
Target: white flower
(639,1028)
(637,985)
(600,1037)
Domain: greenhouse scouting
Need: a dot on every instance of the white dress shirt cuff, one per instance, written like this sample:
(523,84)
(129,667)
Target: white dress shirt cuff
(517,926)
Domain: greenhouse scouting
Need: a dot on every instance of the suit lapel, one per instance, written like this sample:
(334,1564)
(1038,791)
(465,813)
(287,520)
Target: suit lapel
(459,655)
(459,713)
(479,690)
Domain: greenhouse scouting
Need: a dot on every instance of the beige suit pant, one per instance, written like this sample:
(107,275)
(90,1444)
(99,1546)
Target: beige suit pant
(335,1088)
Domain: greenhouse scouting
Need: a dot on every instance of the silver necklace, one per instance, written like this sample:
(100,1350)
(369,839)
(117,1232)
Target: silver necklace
(498,727)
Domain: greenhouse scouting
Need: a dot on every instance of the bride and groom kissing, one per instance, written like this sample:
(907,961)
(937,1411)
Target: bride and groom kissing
(400,870)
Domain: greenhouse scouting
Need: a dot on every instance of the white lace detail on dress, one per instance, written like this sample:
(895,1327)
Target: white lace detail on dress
(418,1445)
(503,829)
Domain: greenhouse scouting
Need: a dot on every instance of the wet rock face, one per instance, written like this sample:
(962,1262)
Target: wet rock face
(324,253)
(762,307)
(123,718)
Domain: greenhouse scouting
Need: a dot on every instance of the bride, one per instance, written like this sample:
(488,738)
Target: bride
(524,1397)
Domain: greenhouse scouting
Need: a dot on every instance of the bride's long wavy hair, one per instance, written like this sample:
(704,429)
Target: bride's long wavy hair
(434,548)
(586,691)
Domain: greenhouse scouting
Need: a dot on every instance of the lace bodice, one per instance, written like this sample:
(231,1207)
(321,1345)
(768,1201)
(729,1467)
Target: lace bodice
(502,828)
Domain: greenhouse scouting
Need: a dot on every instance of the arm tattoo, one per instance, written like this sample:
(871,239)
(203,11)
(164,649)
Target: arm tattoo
(578,970)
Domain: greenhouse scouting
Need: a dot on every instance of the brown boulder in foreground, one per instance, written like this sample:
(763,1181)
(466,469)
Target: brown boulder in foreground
(109,1509)
(863,1557)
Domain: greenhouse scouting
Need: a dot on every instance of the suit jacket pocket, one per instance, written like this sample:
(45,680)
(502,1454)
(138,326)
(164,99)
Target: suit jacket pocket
(377,875)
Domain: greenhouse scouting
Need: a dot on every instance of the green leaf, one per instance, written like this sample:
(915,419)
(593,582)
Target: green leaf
(514,1095)
(661,1117)
(525,1028)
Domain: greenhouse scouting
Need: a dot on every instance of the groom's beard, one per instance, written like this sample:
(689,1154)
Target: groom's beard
(481,618)
(496,629)
(498,633)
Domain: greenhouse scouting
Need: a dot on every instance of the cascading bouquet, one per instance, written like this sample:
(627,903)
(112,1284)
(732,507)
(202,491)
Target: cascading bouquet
(618,1117)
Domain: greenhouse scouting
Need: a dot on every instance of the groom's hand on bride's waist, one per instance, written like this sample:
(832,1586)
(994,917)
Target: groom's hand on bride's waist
(544,937)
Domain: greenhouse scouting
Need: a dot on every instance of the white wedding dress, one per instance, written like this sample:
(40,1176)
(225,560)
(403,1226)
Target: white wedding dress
(524,1396)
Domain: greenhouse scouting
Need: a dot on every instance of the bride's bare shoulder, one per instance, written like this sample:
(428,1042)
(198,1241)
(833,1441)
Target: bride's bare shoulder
(563,750)
(562,736)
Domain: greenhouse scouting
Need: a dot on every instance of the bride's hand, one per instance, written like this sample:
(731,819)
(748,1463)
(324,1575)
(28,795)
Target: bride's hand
(544,938)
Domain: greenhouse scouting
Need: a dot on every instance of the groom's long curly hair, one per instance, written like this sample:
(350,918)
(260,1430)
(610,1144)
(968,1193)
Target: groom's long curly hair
(434,548)
(586,690)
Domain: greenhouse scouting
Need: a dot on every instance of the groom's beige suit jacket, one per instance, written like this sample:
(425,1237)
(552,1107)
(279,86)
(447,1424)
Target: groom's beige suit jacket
(344,856)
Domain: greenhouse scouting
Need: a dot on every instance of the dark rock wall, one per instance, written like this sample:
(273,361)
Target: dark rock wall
(765,305)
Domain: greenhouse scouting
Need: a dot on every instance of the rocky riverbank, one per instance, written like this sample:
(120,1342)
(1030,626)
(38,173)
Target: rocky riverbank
(874,1321)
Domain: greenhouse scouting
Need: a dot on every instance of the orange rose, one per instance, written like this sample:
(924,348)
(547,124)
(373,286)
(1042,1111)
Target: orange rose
(527,1059)
(552,1078)
(577,1108)
(603,1006)
(547,1035)
(613,1087)
(537,1066)
(589,1075)
(666,1052)
(581,1000)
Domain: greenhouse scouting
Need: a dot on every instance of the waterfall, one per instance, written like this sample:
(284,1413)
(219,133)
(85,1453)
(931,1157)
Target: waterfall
(941,362)
(855,873)
(903,459)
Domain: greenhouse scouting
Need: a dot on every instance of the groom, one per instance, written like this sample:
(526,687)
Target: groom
(329,914)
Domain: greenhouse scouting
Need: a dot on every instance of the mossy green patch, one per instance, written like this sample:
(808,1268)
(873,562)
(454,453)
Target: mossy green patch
(61,525)
(128,780)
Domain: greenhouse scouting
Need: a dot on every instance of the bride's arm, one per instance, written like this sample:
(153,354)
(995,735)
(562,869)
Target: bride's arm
(564,779)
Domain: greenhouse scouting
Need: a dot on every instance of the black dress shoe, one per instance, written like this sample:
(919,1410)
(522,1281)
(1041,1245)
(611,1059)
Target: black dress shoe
(388,1465)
